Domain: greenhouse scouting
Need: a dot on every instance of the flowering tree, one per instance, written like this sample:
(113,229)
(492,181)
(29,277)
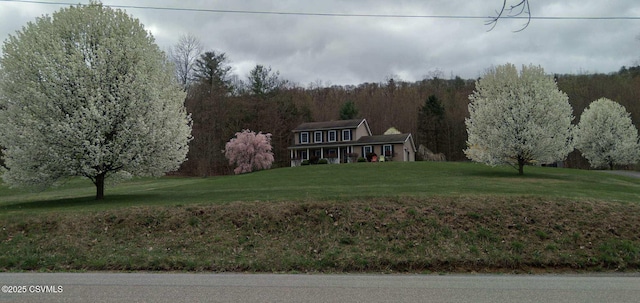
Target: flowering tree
(249,151)
(87,92)
(518,118)
(606,136)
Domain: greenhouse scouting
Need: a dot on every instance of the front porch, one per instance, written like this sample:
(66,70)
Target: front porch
(333,155)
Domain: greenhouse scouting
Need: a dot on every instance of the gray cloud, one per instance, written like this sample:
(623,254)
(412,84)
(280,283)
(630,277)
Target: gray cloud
(352,50)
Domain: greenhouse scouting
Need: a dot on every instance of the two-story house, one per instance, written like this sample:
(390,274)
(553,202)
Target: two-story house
(344,141)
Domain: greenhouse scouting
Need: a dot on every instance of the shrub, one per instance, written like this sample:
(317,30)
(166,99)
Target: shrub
(353,157)
(369,156)
(323,161)
(361,159)
(305,162)
(314,159)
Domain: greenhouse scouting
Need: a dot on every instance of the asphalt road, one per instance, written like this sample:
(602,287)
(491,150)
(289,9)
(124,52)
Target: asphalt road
(170,287)
(628,173)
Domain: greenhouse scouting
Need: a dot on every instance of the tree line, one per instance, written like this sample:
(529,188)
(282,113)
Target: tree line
(434,109)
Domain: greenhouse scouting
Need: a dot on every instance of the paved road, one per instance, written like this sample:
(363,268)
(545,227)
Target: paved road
(146,287)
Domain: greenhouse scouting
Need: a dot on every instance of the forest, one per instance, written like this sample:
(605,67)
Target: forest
(432,109)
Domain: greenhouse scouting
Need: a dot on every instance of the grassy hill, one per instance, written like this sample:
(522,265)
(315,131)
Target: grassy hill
(412,217)
(334,182)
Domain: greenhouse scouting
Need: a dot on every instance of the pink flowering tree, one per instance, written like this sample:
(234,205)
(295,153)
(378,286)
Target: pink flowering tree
(249,151)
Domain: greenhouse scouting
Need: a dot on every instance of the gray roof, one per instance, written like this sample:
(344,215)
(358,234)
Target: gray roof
(387,139)
(365,140)
(339,124)
(398,138)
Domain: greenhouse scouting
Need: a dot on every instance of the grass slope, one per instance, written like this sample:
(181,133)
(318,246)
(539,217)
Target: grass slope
(410,217)
(334,182)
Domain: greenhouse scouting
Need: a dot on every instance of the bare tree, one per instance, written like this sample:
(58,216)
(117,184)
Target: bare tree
(184,55)
(511,11)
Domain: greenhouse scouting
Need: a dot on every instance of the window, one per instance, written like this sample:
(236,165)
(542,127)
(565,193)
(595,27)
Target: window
(317,137)
(367,150)
(332,136)
(388,150)
(346,135)
(304,138)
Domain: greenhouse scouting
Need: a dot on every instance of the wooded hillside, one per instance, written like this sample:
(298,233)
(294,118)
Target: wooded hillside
(432,109)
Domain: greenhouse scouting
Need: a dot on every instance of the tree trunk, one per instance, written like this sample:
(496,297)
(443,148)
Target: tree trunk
(520,166)
(100,186)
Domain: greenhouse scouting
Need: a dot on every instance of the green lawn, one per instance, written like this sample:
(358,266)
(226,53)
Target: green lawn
(361,217)
(333,182)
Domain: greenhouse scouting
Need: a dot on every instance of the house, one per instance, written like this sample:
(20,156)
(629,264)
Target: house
(345,141)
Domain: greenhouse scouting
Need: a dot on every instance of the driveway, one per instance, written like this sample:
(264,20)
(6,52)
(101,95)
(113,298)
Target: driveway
(628,173)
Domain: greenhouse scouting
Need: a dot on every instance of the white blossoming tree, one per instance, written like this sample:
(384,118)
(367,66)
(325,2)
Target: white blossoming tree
(87,92)
(606,136)
(518,118)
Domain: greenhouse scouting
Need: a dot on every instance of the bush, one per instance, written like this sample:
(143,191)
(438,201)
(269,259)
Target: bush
(323,161)
(305,162)
(370,156)
(361,159)
(352,157)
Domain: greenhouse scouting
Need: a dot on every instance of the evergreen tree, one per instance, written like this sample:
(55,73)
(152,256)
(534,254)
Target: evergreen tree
(348,111)
(212,74)
(430,121)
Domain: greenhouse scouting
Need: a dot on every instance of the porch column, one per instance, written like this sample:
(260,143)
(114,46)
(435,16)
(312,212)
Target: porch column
(307,154)
(339,155)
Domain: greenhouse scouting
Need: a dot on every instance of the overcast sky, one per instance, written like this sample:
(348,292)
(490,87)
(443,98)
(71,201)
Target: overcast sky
(353,50)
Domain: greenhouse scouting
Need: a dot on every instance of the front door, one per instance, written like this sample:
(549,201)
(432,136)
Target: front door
(344,154)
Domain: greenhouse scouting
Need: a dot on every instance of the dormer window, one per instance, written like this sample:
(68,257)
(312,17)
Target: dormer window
(346,135)
(317,137)
(304,137)
(332,134)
